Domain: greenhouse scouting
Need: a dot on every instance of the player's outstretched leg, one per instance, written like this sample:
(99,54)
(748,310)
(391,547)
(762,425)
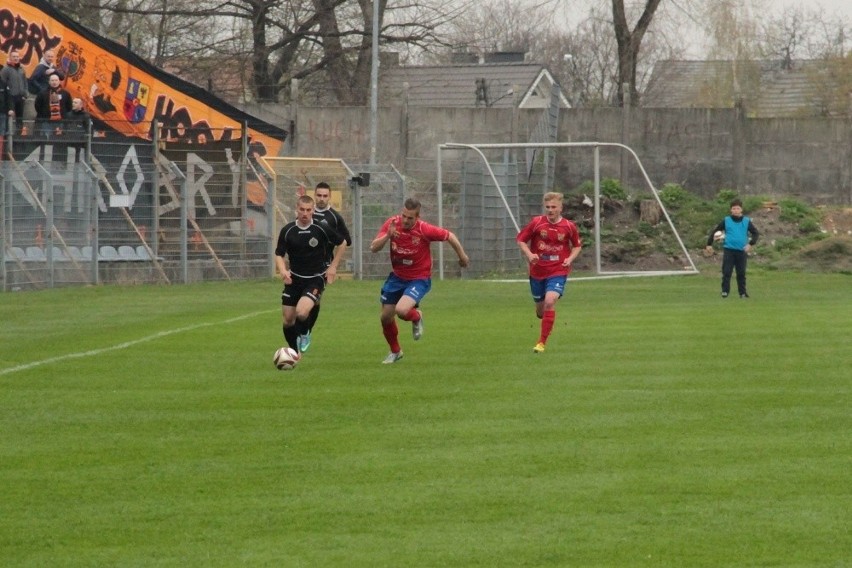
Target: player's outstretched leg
(417,325)
(305,337)
(291,336)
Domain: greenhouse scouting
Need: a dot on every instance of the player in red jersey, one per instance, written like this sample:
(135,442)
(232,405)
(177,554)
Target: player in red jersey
(411,276)
(550,244)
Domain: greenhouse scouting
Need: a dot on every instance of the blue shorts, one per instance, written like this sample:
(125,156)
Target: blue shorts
(395,288)
(539,287)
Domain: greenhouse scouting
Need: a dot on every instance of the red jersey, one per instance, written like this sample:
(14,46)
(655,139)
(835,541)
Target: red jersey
(552,242)
(410,254)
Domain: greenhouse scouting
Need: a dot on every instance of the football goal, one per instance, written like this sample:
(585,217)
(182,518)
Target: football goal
(497,188)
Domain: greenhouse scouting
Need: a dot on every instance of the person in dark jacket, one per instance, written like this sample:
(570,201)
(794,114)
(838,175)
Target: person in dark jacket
(52,105)
(5,106)
(78,119)
(40,78)
(739,235)
(15,77)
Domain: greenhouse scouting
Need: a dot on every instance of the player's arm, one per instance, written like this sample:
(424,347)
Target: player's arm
(280,252)
(532,258)
(383,237)
(755,234)
(282,269)
(343,230)
(719,227)
(464,260)
(331,271)
(523,239)
(379,242)
(575,252)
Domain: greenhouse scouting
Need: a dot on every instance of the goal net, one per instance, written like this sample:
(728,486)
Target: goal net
(497,188)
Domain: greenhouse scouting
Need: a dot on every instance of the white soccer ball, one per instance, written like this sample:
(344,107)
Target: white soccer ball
(719,236)
(286,359)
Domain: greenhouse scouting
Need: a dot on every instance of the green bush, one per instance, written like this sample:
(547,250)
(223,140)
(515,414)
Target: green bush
(789,244)
(725,196)
(809,226)
(647,229)
(674,196)
(610,187)
(793,210)
(753,203)
(613,189)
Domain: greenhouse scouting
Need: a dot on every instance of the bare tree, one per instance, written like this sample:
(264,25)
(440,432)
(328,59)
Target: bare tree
(629,42)
(805,33)
(282,40)
(582,56)
(503,25)
(585,60)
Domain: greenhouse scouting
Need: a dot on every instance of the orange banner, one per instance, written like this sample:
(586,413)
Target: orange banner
(122,90)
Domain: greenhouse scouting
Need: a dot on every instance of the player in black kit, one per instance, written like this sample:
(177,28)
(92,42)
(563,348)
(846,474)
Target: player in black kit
(306,270)
(323,214)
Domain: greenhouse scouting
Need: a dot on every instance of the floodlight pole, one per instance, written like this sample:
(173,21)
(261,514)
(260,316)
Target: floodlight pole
(374,84)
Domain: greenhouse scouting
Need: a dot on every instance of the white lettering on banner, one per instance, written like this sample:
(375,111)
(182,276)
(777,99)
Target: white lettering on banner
(20,181)
(167,178)
(101,172)
(194,184)
(132,158)
(234,166)
(30,188)
(198,172)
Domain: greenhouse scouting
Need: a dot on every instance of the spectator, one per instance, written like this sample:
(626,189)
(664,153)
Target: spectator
(15,77)
(78,118)
(5,106)
(40,79)
(53,105)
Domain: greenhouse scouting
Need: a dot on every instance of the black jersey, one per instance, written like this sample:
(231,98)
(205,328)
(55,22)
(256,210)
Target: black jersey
(306,247)
(332,219)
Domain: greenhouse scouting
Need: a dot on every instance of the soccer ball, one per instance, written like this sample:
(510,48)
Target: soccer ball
(285,359)
(719,236)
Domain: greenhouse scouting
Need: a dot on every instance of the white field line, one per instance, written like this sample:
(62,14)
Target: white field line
(124,345)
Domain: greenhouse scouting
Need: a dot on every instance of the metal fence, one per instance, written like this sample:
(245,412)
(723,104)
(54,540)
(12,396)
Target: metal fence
(96,207)
(105,208)
(364,194)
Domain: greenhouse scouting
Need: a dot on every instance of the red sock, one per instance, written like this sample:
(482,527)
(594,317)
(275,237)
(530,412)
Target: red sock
(547,320)
(412,315)
(391,332)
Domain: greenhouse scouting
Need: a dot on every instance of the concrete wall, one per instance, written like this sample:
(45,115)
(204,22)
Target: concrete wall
(703,150)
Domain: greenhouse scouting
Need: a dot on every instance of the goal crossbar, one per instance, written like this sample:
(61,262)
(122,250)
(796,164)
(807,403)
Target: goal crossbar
(596,146)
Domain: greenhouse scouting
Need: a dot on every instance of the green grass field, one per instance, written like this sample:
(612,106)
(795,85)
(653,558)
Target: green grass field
(664,426)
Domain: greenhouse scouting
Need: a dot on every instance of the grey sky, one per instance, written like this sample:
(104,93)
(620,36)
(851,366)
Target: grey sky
(578,9)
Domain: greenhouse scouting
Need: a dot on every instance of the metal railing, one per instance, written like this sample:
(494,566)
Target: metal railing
(99,207)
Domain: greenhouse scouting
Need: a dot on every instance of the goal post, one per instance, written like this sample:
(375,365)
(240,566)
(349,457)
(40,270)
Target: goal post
(511,202)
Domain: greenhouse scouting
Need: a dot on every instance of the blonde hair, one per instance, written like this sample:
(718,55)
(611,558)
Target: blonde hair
(552,196)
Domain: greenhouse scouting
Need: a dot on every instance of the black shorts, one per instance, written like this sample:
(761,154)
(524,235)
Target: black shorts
(310,287)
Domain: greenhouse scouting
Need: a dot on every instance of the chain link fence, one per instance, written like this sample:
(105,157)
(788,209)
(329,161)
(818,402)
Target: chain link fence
(108,208)
(93,206)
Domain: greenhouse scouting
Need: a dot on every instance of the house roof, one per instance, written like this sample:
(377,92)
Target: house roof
(768,88)
(494,85)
